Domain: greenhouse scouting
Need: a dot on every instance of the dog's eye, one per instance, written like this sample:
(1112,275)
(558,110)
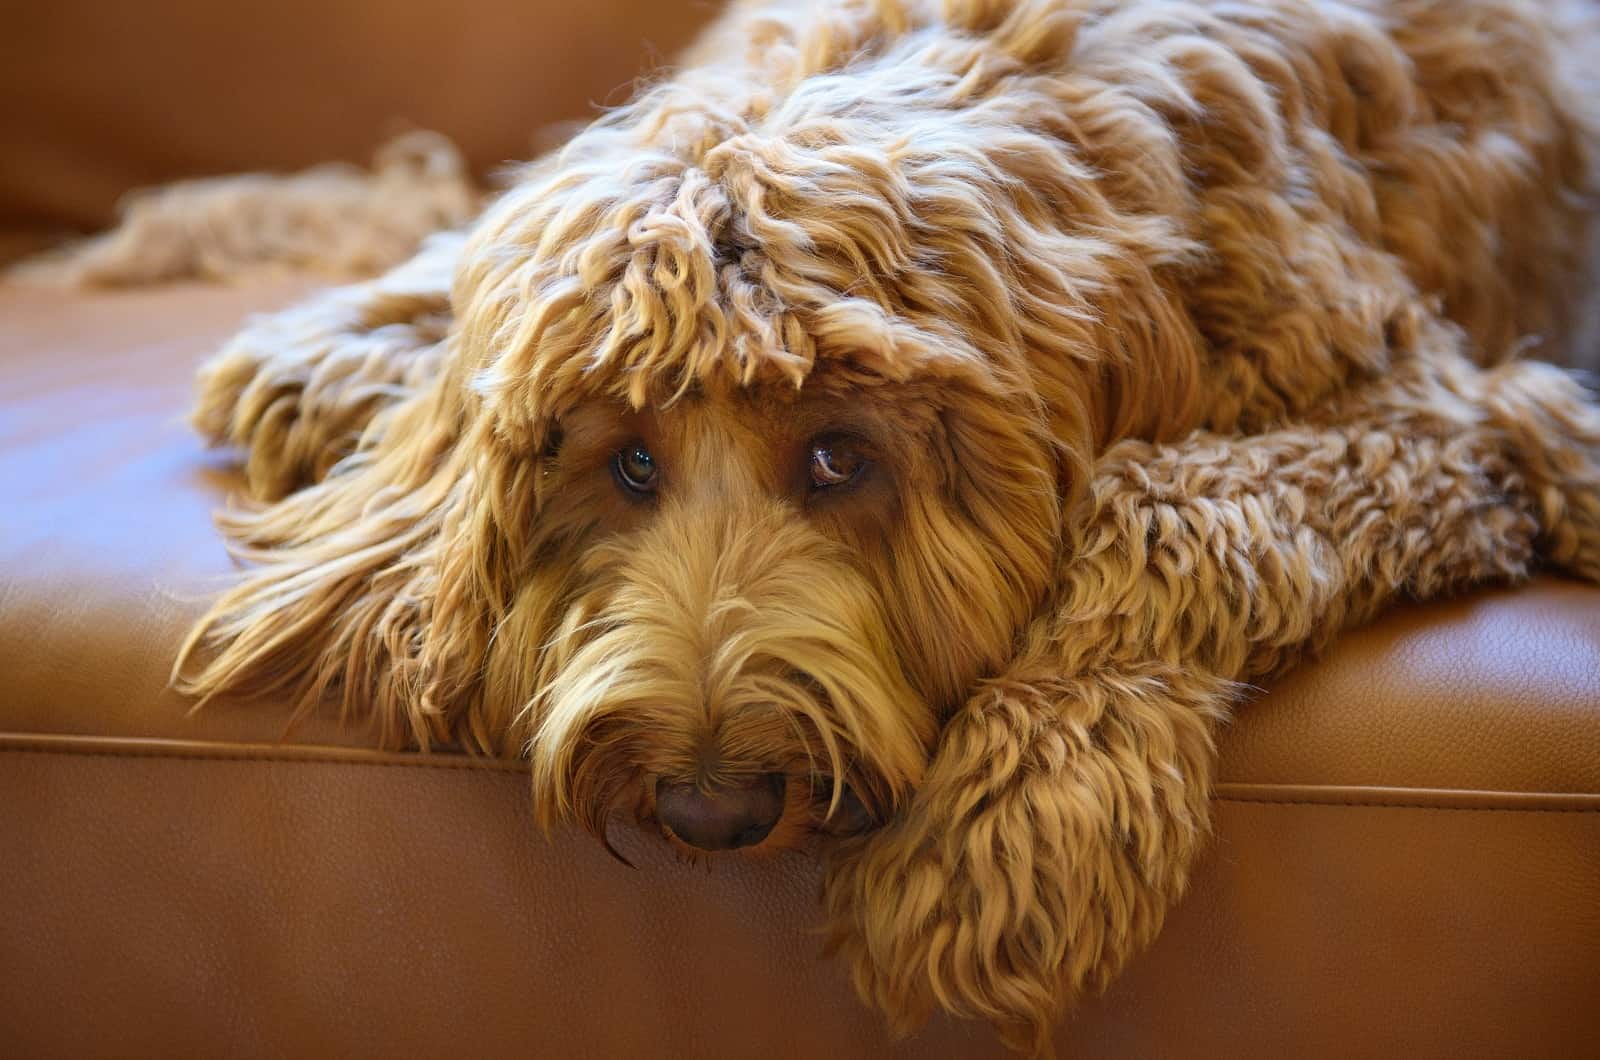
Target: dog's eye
(552,443)
(635,469)
(834,462)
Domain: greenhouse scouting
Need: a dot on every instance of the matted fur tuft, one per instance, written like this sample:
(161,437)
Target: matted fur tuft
(1160,340)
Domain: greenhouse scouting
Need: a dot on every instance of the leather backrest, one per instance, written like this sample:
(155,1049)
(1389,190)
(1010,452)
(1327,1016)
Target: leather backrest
(100,98)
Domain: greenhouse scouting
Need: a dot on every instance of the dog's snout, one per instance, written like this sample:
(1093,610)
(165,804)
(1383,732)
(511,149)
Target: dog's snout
(725,817)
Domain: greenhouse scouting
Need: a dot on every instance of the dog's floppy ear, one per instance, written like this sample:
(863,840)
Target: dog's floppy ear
(338,600)
(378,587)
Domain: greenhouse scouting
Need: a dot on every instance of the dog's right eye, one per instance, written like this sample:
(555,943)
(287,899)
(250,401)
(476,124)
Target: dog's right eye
(836,461)
(635,469)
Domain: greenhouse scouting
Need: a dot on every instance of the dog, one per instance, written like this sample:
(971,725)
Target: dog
(906,428)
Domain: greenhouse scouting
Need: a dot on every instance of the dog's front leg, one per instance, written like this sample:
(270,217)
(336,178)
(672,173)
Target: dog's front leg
(1057,822)
(1068,796)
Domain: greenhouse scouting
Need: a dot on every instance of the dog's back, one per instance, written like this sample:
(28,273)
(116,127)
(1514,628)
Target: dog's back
(1460,137)
(1491,197)
(1291,186)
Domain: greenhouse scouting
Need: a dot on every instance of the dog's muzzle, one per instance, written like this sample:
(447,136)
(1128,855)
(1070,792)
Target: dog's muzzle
(724,817)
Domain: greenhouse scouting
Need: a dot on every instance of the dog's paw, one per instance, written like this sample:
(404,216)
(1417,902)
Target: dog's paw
(1554,428)
(1575,495)
(920,931)
(1050,835)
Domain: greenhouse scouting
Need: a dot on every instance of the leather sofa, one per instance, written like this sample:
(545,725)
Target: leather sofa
(1407,850)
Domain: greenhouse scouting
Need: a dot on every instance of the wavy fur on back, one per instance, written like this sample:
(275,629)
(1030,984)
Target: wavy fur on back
(1176,335)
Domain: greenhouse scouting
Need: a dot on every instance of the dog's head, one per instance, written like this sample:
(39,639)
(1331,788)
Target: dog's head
(751,459)
(784,507)
(791,486)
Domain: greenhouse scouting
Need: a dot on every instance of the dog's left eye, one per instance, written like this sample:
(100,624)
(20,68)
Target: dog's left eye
(834,462)
(635,469)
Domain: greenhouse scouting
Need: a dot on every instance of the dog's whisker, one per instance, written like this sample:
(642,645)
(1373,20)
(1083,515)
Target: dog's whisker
(610,848)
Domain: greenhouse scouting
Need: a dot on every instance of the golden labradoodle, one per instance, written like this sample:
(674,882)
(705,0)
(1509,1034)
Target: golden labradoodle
(912,421)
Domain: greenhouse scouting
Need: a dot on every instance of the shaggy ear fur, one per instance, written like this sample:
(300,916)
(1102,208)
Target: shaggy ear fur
(372,586)
(297,389)
(1068,797)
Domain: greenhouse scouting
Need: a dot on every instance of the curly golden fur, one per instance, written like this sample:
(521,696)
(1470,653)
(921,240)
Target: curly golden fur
(1161,339)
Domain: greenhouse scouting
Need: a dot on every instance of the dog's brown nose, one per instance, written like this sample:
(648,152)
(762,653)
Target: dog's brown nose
(722,818)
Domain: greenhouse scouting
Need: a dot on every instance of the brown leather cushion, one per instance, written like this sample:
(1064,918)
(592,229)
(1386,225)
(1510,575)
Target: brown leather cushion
(1407,860)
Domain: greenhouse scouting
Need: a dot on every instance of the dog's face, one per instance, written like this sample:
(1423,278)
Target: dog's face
(750,609)
(778,427)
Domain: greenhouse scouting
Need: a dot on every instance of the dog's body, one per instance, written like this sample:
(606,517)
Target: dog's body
(913,420)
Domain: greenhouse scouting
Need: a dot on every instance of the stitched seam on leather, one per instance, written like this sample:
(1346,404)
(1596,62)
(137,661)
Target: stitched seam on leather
(495,768)
(1341,804)
(489,766)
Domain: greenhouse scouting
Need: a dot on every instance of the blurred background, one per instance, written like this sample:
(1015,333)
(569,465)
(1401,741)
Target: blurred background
(100,96)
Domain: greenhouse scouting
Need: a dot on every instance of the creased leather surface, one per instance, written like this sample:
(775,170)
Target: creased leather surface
(106,542)
(179,885)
